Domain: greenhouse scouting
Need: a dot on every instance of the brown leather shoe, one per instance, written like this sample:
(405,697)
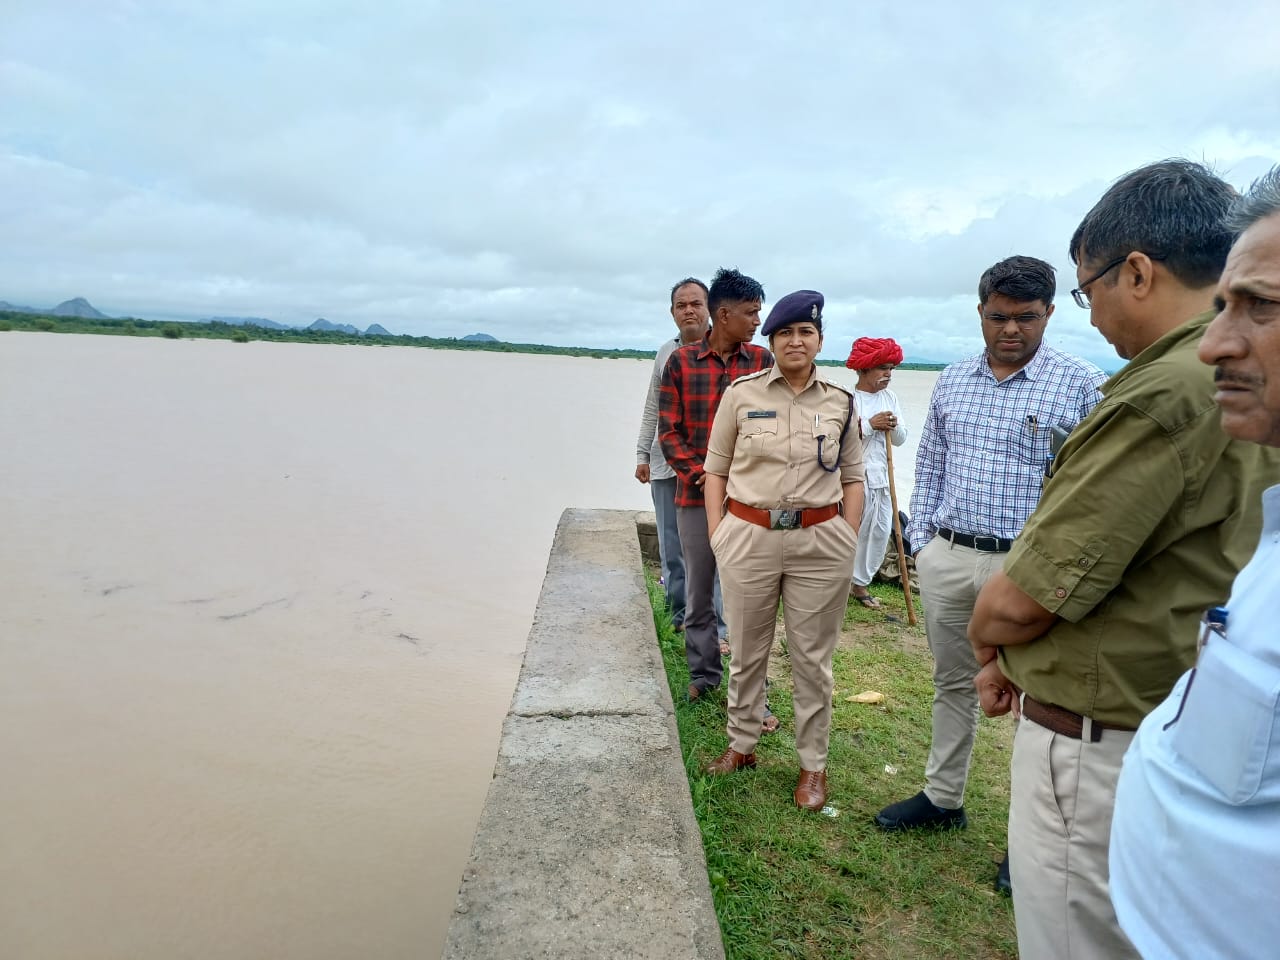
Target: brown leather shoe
(811,790)
(730,761)
(695,692)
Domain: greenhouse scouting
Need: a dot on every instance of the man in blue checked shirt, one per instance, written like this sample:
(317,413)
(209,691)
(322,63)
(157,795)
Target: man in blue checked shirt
(979,469)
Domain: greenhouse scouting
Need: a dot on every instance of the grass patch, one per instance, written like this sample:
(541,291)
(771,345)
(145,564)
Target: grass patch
(792,884)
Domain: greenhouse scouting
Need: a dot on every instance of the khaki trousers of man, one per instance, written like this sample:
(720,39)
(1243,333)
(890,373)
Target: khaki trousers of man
(809,570)
(950,578)
(1063,793)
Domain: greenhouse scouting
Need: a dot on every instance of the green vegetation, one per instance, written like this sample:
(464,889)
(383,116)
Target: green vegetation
(793,884)
(217,330)
(901,366)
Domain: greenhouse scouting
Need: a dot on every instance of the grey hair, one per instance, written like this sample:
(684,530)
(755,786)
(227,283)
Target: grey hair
(1260,201)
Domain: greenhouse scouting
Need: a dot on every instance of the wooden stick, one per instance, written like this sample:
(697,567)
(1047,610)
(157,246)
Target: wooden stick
(903,572)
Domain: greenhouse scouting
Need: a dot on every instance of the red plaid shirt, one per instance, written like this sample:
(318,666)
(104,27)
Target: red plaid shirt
(692,384)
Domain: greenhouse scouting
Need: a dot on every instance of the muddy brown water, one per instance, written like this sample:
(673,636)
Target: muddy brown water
(262,607)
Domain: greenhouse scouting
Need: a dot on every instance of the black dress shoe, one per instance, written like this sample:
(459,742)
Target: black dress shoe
(1004,884)
(920,811)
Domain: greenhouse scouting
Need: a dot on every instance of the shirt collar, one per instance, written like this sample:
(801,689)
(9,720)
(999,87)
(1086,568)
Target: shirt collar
(1193,329)
(704,348)
(1032,371)
(776,374)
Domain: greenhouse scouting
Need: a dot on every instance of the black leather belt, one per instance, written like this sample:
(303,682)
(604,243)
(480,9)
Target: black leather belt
(979,542)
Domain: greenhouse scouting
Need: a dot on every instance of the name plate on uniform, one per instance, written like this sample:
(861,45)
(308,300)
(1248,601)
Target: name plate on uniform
(762,414)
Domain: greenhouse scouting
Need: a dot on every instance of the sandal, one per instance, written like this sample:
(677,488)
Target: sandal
(868,601)
(771,723)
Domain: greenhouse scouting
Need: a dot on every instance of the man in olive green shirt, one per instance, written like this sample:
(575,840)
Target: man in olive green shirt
(1149,513)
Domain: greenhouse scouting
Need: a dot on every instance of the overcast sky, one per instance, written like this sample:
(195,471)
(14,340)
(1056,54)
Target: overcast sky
(544,171)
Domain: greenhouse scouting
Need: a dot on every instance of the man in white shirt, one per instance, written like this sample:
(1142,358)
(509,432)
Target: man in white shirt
(689,311)
(1195,836)
(881,421)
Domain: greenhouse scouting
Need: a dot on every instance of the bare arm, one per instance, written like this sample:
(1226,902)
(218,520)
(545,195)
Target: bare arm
(1004,616)
(713,489)
(854,496)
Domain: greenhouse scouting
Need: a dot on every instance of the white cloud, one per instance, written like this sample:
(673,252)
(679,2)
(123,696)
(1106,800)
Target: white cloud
(543,173)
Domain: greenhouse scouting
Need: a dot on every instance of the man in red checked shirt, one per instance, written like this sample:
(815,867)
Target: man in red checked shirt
(692,384)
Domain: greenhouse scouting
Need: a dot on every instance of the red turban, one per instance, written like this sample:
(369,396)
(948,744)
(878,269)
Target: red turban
(871,352)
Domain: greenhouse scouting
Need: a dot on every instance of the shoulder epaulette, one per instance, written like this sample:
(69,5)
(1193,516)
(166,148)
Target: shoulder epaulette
(837,384)
(751,376)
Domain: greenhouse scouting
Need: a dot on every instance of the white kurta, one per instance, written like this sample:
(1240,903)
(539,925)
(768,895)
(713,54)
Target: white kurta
(877,510)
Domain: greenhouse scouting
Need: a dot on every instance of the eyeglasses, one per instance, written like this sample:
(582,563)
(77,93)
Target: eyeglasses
(1022,319)
(1080,296)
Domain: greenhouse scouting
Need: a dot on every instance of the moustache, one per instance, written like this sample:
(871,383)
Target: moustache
(1222,375)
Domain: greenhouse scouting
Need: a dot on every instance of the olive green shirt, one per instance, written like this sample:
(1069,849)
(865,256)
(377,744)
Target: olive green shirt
(766,439)
(1150,513)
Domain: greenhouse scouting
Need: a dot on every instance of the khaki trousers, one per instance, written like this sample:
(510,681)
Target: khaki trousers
(809,570)
(1063,793)
(950,578)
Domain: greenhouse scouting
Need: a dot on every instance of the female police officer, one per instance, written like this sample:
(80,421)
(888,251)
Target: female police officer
(785,448)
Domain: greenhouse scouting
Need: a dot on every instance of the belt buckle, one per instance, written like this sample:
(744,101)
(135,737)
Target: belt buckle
(994,541)
(784,519)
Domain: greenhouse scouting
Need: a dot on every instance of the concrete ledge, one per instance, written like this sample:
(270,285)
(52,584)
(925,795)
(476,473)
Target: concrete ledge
(587,845)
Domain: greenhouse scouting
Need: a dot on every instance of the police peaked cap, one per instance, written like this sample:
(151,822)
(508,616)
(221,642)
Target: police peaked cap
(803,306)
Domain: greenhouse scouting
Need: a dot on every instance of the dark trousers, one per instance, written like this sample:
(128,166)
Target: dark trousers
(664,511)
(701,635)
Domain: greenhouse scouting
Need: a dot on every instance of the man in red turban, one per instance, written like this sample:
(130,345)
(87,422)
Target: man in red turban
(881,417)
(869,352)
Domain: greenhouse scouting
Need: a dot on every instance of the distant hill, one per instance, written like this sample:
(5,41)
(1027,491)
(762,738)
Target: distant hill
(77,307)
(378,330)
(479,338)
(323,324)
(262,322)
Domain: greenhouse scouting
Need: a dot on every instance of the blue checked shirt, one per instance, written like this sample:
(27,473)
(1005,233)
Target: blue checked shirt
(982,455)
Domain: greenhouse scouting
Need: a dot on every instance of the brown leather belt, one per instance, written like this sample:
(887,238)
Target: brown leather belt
(783,519)
(1063,721)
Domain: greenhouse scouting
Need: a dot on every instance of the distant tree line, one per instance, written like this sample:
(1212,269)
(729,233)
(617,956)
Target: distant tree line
(217,330)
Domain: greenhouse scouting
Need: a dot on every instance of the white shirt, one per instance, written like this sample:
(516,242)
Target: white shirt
(648,449)
(874,457)
(1195,838)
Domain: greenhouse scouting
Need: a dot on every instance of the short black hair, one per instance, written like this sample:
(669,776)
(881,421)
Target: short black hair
(1022,279)
(684,283)
(1260,201)
(730,286)
(1174,211)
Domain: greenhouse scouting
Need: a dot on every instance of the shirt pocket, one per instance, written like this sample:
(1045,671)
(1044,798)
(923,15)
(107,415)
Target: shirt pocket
(1227,730)
(756,435)
(1028,441)
(825,441)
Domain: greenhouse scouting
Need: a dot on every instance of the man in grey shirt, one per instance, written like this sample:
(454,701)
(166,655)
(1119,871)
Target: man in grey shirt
(689,311)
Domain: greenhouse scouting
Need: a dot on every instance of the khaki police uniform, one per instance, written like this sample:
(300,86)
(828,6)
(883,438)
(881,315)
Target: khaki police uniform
(766,440)
(1149,514)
